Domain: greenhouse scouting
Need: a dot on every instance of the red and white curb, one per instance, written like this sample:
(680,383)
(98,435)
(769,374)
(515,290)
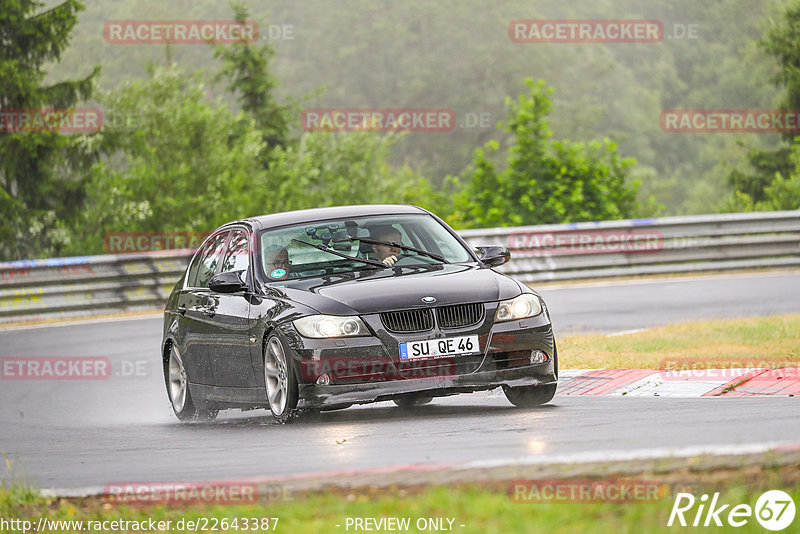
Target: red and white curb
(687,383)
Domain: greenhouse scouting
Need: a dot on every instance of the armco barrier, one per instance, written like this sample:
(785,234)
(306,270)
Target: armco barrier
(657,246)
(90,285)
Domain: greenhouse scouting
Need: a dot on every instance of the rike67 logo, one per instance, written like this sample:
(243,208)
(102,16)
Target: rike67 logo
(774,511)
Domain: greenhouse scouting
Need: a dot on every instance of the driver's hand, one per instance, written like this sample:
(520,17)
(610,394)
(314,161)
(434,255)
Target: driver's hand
(389,260)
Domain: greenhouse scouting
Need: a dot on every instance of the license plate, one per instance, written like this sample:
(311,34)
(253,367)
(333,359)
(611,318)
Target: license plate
(436,348)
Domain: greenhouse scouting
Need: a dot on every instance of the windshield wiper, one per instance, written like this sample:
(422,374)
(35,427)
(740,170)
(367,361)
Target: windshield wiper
(402,247)
(342,255)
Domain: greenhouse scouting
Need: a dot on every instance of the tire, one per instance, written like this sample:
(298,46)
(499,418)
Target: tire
(178,390)
(529,396)
(411,401)
(280,381)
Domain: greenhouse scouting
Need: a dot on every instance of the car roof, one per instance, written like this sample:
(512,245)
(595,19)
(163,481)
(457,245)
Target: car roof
(334,212)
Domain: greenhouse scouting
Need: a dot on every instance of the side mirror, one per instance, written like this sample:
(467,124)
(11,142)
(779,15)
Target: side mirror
(494,256)
(227,282)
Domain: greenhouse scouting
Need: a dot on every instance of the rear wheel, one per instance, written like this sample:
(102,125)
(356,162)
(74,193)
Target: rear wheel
(280,381)
(528,396)
(410,401)
(178,391)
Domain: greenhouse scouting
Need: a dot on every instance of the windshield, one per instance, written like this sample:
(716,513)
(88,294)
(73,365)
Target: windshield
(358,243)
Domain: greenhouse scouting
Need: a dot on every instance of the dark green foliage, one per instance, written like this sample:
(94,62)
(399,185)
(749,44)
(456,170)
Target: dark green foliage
(772,180)
(545,181)
(250,77)
(766,164)
(39,193)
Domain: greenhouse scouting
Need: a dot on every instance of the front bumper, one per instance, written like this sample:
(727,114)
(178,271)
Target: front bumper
(369,369)
(314,396)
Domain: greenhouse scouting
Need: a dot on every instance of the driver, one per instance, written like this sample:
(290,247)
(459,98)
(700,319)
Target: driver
(277,262)
(385,253)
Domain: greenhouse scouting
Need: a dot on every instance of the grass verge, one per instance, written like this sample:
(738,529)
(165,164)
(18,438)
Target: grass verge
(756,342)
(479,508)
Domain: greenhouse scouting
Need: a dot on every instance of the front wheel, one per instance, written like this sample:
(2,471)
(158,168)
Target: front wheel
(178,391)
(280,381)
(529,396)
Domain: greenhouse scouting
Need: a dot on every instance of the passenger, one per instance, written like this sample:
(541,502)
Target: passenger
(386,254)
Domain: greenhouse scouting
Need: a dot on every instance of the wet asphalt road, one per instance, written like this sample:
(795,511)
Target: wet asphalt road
(70,434)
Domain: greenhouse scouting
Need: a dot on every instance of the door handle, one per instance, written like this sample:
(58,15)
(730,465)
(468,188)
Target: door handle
(182,309)
(209,306)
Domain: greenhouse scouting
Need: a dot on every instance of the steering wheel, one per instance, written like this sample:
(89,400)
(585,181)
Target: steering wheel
(406,258)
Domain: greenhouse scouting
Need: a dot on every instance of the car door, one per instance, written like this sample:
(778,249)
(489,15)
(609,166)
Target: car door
(232,336)
(193,303)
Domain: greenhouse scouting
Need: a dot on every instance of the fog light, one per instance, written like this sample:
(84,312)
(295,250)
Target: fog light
(537,356)
(323,379)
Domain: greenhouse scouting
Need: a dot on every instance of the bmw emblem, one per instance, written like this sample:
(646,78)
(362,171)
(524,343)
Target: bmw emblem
(428,300)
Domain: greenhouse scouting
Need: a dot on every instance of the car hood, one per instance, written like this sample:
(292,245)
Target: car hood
(401,288)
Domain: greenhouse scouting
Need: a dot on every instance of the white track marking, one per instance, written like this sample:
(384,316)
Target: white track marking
(99,320)
(722,449)
(627,332)
(690,278)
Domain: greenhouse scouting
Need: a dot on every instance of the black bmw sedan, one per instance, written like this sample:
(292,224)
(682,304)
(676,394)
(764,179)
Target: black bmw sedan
(324,308)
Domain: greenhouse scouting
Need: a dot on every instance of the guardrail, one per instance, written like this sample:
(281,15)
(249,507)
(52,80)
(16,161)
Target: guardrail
(88,285)
(91,285)
(647,246)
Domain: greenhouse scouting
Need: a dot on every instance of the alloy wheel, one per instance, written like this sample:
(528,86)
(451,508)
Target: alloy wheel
(276,376)
(177,381)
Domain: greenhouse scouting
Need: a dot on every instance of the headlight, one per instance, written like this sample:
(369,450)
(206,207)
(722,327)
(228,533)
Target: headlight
(525,305)
(319,326)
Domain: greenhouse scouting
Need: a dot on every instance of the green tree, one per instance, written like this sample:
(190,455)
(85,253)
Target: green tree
(38,194)
(769,169)
(248,70)
(767,164)
(545,181)
(329,169)
(782,192)
(783,43)
(173,161)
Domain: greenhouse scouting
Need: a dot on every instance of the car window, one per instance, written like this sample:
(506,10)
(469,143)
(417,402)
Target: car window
(191,275)
(206,262)
(344,237)
(237,256)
